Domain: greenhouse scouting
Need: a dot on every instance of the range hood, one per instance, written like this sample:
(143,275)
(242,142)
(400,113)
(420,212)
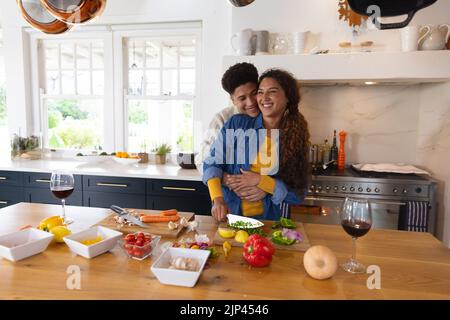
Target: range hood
(393,68)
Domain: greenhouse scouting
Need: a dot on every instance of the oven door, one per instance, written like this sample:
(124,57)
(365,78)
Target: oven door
(326,210)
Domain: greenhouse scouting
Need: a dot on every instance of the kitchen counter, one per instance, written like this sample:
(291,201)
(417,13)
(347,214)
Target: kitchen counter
(413,266)
(106,168)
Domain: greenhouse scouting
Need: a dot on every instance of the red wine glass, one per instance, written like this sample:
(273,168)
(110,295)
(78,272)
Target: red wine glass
(62,185)
(356,219)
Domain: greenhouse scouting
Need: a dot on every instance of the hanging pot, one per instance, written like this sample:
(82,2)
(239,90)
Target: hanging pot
(74,11)
(390,8)
(39,18)
(241,3)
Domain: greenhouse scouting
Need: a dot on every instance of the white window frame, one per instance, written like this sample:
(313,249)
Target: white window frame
(40,116)
(162,30)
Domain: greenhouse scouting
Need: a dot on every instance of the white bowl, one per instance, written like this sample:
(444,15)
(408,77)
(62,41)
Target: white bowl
(23,244)
(126,161)
(92,159)
(110,238)
(179,277)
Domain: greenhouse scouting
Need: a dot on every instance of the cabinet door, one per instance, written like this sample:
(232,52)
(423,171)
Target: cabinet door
(200,205)
(44,195)
(176,188)
(42,180)
(10,196)
(11,179)
(107,199)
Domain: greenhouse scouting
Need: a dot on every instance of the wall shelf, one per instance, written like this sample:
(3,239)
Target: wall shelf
(393,68)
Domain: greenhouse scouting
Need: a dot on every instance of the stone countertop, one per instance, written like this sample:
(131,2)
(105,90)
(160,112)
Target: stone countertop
(106,168)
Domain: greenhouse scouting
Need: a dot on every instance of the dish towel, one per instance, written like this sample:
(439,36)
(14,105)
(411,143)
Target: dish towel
(414,216)
(284,207)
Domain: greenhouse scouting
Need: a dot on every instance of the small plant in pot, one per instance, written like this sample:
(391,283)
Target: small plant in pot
(161,153)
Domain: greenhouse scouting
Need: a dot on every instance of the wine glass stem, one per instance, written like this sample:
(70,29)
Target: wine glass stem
(354,248)
(63,202)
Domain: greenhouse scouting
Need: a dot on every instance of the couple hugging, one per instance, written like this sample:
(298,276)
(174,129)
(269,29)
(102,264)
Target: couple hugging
(254,158)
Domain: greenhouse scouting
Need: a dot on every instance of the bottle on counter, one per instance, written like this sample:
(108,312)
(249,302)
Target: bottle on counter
(341,155)
(326,148)
(334,151)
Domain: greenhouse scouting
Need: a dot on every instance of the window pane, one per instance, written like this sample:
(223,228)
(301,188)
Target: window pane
(52,82)
(136,54)
(98,82)
(136,82)
(51,56)
(152,55)
(83,82)
(67,60)
(83,56)
(170,57)
(187,81)
(170,82)
(67,82)
(187,57)
(98,56)
(75,124)
(154,122)
(153,82)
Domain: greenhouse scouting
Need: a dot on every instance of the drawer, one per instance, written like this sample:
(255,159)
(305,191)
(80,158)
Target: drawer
(114,184)
(11,178)
(10,196)
(176,188)
(107,199)
(198,205)
(41,195)
(42,180)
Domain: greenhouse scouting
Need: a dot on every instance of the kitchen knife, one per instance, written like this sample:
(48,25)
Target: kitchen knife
(124,214)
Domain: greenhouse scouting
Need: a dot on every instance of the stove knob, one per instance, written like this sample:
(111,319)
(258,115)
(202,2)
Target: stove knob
(344,188)
(418,190)
(352,189)
(360,189)
(327,188)
(312,188)
(319,189)
(369,190)
(336,188)
(405,191)
(377,190)
(395,190)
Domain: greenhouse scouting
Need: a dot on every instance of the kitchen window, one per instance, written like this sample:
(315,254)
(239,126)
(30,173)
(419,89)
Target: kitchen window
(73,96)
(4,135)
(161,77)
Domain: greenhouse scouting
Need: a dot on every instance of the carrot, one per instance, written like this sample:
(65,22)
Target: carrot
(157,218)
(171,212)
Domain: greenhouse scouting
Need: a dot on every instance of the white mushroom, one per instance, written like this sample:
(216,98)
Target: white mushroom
(172,225)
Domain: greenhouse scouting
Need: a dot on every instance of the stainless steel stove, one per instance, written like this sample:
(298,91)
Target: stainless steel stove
(387,192)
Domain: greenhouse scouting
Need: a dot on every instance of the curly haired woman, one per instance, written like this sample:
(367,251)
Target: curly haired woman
(284,141)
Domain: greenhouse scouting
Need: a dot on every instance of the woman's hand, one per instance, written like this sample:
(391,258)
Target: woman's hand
(245,180)
(252,194)
(220,209)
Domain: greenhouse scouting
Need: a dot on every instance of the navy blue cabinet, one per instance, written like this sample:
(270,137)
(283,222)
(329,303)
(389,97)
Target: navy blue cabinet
(11,191)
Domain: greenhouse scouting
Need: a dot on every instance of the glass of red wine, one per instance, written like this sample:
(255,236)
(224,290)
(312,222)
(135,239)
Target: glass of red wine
(356,219)
(62,185)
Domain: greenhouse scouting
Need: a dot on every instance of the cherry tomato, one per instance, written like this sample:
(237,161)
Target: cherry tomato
(139,243)
(137,252)
(130,237)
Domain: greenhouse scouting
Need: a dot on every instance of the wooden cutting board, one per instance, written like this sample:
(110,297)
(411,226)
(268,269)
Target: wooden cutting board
(156,228)
(301,246)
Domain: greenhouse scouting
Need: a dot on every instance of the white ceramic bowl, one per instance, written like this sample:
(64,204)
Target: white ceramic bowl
(23,244)
(179,277)
(92,159)
(110,238)
(126,161)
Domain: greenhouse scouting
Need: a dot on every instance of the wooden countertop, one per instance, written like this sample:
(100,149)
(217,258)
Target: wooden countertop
(413,266)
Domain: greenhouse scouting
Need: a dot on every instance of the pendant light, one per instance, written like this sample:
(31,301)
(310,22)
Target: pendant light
(74,11)
(241,3)
(39,18)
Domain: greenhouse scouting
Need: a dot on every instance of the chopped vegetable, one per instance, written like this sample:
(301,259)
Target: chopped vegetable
(284,223)
(286,237)
(157,218)
(226,248)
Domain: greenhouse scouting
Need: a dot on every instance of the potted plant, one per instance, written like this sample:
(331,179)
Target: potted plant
(161,153)
(143,155)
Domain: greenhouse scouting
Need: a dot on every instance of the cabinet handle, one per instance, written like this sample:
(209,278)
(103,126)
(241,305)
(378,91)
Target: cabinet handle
(3,202)
(179,189)
(43,180)
(3,178)
(112,185)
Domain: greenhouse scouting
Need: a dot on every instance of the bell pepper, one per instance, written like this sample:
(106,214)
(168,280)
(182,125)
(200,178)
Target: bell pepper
(258,251)
(49,223)
(278,238)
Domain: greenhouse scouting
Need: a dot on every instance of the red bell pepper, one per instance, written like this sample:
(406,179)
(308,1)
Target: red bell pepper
(258,251)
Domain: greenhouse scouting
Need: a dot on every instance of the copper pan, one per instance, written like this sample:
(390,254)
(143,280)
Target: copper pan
(74,11)
(38,17)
